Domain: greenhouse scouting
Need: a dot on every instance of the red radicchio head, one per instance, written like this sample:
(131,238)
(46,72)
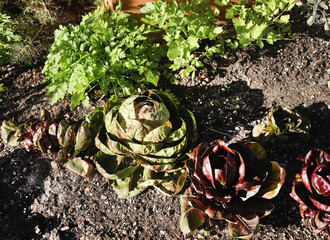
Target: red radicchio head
(231,182)
(312,189)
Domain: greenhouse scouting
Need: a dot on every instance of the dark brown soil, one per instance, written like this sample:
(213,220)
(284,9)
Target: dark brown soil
(229,98)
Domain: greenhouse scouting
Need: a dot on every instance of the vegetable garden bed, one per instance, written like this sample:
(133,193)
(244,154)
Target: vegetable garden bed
(229,97)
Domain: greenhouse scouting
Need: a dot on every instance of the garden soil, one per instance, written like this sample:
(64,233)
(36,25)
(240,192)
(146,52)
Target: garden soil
(229,97)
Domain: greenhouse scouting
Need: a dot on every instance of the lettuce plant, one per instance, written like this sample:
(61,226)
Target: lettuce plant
(282,125)
(71,146)
(311,189)
(231,182)
(143,142)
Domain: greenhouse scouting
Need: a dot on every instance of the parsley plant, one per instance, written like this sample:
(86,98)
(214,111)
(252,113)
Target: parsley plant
(109,51)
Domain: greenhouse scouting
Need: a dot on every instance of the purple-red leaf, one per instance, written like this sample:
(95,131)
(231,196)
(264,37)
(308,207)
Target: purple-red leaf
(316,157)
(207,170)
(319,205)
(299,192)
(317,223)
(306,172)
(321,179)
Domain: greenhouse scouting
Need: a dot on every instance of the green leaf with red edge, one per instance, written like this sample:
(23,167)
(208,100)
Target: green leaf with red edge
(191,219)
(187,202)
(273,182)
(320,179)
(245,228)
(261,207)
(320,205)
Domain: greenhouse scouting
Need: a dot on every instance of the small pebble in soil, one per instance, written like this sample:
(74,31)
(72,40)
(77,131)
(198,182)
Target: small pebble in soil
(37,229)
(65,228)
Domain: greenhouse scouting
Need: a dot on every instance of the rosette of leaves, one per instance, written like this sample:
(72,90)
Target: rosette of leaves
(143,142)
(311,189)
(282,125)
(70,145)
(231,182)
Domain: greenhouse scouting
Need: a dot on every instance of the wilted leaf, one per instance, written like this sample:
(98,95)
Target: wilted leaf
(10,133)
(61,130)
(69,139)
(80,166)
(245,228)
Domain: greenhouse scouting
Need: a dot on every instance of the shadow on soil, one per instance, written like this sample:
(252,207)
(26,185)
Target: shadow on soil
(21,181)
(221,110)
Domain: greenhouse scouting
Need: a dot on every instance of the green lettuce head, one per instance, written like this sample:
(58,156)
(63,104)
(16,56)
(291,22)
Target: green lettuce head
(282,125)
(143,143)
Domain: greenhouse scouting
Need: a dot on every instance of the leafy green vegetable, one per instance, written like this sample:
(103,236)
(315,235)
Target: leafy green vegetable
(264,20)
(7,39)
(71,146)
(282,125)
(186,25)
(107,50)
(143,143)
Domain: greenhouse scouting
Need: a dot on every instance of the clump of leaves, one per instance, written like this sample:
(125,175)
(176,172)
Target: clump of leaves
(70,145)
(143,143)
(107,50)
(3,90)
(7,38)
(264,20)
(318,12)
(186,24)
(231,182)
(311,189)
(282,125)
